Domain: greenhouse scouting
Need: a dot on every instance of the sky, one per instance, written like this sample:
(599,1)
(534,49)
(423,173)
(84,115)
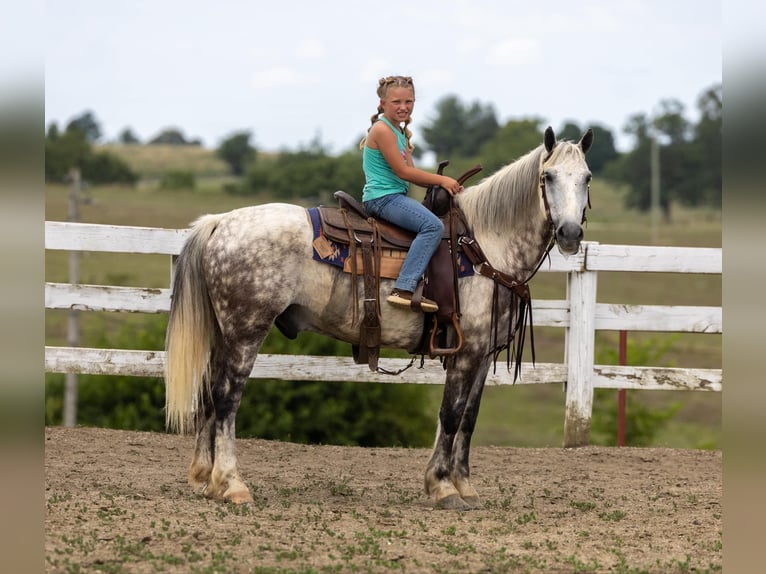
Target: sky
(292,72)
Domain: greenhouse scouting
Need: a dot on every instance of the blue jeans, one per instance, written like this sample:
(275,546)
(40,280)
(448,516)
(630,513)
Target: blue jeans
(410,214)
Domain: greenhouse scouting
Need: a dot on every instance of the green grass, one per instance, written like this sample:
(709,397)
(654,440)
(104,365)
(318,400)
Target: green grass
(522,415)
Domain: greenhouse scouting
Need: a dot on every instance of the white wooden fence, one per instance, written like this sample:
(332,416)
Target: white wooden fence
(579,314)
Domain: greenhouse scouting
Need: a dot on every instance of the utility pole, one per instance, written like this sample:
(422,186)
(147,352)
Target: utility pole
(654,166)
(73,323)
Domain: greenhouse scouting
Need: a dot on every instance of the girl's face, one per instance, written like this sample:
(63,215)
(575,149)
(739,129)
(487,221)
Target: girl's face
(397,104)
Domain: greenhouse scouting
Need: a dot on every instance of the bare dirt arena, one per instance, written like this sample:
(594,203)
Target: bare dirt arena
(117,501)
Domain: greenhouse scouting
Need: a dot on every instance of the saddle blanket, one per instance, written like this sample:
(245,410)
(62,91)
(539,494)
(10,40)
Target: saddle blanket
(337,254)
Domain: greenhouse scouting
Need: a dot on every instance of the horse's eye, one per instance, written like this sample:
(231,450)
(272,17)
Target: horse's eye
(548,176)
(588,178)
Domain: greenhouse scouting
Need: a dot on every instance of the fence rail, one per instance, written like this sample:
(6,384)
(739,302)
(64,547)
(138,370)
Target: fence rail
(580,315)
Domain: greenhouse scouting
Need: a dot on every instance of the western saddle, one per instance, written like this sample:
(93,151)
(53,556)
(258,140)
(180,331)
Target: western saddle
(349,224)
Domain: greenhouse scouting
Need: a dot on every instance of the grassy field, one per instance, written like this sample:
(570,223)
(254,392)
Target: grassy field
(523,415)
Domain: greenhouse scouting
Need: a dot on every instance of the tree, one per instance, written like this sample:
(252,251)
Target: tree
(671,123)
(601,152)
(64,151)
(511,141)
(457,130)
(72,149)
(128,137)
(309,173)
(708,146)
(172,136)
(689,155)
(634,168)
(86,124)
(236,151)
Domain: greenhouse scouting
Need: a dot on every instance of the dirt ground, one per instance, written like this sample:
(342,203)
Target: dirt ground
(117,501)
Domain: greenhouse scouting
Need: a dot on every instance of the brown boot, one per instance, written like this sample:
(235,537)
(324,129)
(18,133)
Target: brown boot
(404,299)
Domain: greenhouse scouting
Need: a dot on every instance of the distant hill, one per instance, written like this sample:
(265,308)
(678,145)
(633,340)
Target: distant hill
(155,160)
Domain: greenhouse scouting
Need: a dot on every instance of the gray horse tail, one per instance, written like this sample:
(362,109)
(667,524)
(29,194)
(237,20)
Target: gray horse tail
(192,328)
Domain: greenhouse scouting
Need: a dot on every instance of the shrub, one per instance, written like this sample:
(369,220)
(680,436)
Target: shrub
(178,180)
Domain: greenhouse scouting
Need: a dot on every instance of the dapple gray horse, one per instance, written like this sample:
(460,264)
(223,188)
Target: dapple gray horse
(240,272)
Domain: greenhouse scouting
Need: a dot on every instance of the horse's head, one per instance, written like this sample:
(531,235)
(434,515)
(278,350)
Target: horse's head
(564,184)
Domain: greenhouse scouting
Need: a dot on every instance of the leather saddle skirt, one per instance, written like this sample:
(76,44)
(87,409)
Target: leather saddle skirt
(351,223)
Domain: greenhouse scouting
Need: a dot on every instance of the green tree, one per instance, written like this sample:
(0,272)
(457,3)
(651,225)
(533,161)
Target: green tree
(690,160)
(236,151)
(634,167)
(128,137)
(707,149)
(86,124)
(458,130)
(310,174)
(64,151)
(601,152)
(172,136)
(513,140)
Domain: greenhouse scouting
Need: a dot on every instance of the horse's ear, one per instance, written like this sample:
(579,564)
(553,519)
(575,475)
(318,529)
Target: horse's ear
(586,141)
(550,139)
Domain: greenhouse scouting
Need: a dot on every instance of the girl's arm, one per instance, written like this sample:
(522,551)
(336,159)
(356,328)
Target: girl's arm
(402,165)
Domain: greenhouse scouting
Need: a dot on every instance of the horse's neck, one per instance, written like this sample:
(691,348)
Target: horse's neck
(517,249)
(509,221)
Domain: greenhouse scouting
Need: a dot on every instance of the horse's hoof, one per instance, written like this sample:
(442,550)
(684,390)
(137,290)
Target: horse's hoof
(452,502)
(473,502)
(238,497)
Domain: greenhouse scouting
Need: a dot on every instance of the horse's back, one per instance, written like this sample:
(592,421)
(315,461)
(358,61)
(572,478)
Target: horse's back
(269,224)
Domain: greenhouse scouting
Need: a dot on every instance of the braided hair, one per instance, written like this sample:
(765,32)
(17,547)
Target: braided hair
(383,85)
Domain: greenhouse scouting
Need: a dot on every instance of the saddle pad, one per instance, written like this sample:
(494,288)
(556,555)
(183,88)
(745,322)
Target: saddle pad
(337,254)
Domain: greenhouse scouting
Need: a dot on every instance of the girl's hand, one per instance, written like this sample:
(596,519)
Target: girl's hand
(451,185)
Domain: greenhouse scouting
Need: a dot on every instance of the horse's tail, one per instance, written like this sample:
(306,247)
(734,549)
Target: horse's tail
(192,328)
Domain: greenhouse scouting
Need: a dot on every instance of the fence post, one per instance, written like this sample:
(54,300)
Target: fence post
(73,322)
(579,356)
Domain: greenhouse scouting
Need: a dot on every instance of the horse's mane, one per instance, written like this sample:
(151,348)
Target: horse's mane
(507,196)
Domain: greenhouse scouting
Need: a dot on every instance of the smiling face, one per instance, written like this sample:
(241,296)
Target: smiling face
(397,104)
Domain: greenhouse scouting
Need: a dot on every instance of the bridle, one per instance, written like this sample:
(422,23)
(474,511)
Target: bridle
(548,216)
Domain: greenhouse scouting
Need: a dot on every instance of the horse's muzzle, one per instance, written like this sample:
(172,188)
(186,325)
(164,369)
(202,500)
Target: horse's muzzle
(568,238)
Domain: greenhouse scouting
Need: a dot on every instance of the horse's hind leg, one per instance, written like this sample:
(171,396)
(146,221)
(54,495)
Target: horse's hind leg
(202,463)
(214,471)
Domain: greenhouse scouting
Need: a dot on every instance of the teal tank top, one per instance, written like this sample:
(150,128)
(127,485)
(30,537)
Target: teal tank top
(380,178)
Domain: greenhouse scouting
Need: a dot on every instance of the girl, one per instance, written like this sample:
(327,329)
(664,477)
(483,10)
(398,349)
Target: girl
(388,170)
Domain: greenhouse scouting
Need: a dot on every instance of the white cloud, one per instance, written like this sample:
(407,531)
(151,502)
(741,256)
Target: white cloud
(517,52)
(310,50)
(276,78)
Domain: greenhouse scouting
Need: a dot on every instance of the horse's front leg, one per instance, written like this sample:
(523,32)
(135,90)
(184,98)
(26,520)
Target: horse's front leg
(440,483)
(460,469)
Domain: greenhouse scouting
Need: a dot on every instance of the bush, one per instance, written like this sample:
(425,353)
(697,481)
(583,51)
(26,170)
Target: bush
(178,180)
(72,149)
(105,167)
(306,412)
(305,174)
(642,423)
